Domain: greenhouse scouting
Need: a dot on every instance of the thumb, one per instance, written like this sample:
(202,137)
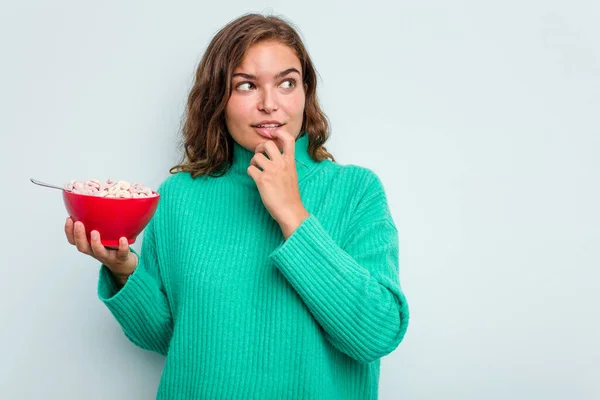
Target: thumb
(123,251)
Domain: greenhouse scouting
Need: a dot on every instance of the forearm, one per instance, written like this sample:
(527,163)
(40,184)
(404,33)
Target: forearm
(362,310)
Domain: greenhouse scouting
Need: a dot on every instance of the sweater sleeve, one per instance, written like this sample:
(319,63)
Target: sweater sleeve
(352,289)
(141,306)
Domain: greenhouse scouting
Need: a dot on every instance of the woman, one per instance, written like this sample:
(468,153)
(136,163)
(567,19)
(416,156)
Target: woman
(268,270)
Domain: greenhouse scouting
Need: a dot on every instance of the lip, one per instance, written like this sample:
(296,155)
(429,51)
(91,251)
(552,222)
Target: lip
(267,132)
(271,121)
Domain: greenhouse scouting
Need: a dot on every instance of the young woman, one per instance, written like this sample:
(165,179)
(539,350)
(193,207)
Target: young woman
(268,271)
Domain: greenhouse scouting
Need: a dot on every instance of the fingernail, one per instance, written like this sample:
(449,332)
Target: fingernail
(94,235)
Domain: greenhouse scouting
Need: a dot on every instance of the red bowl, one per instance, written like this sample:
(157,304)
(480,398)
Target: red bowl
(112,217)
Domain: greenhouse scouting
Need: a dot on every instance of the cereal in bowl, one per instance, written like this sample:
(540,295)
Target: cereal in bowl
(110,188)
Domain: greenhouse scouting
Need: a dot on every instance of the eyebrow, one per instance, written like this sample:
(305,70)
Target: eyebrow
(279,75)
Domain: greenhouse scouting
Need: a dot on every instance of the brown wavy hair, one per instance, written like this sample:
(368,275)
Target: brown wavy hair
(207,144)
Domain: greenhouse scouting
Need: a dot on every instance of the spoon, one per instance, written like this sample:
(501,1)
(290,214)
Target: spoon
(48,185)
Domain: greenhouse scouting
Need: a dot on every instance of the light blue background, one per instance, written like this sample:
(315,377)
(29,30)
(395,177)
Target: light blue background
(481,118)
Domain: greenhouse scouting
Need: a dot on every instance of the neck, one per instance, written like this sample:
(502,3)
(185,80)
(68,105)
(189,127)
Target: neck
(242,156)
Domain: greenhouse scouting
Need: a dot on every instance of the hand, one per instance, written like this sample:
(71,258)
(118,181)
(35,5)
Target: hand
(278,180)
(121,262)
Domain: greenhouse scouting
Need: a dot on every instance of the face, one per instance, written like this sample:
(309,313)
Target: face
(267,94)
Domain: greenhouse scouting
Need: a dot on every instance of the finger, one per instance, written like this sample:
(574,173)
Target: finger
(123,251)
(80,239)
(259,160)
(272,150)
(69,231)
(253,172)
(260,148)
(287,140)
(98,249)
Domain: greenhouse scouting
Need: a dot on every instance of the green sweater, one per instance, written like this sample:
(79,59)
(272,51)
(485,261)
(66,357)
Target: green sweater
(242,313)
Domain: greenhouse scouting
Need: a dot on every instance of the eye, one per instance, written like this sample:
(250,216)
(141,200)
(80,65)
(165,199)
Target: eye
(291,83)
(244,86)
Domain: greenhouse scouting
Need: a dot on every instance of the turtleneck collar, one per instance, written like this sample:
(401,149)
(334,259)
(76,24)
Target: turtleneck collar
(242,157)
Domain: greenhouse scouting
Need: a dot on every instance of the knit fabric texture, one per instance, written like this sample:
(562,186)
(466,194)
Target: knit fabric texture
(240,312)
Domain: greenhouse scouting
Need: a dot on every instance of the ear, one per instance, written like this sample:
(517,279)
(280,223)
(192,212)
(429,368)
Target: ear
(305,87)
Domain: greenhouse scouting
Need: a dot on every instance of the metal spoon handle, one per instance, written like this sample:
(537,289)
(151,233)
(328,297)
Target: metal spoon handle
(47,184)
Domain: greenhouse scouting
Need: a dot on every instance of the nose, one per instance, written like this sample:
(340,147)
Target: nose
(267,102)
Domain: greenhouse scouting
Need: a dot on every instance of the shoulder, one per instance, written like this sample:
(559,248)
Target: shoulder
(174,182)
(359,179)
(172,190)
(361,188)
(369,200)
(368,176)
